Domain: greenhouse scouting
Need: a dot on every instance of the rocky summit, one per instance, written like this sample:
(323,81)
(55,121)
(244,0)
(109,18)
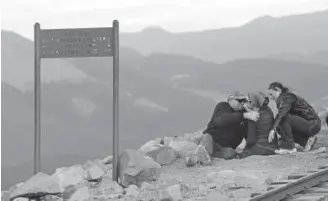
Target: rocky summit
(166,169)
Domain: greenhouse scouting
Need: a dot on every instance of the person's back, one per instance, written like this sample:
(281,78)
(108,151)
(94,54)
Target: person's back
(263,127)
(300,107)
(257,136)
(225,132)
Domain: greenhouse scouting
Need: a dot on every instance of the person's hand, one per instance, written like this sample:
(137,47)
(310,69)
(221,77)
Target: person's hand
(252,115)
(271,135)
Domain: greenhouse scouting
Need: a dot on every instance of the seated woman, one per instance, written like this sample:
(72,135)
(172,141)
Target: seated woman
(258,132)
(296,120)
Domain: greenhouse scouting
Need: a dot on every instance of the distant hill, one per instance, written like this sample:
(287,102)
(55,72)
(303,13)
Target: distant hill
(320,57)
(17,64)
(305,33)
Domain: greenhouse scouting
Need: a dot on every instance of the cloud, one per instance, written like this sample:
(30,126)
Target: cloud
(172,15)
(148,104)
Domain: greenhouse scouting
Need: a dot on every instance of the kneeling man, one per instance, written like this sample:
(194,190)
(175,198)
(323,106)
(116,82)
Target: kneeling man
(227,127)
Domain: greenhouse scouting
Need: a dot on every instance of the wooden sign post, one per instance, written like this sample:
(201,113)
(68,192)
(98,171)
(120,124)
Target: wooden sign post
(72,43)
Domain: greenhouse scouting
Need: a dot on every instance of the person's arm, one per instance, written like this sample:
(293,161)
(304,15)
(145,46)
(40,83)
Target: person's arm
(223,116)
(286,104)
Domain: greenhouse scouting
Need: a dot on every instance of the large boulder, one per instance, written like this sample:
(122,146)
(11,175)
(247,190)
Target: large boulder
(135,167)
(67,176)
(151,145)
(93,173)
(184,148)
(163,155)
(37,186)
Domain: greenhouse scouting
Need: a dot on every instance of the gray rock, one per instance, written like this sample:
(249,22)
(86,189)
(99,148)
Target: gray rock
(93,173)
(107,160)
(147,186)
(37,186)
(67,176)
(107,189)
(135,167)
(132,191)
(170,193)
(184,148)
(81,194)
(151,145)
(163,155)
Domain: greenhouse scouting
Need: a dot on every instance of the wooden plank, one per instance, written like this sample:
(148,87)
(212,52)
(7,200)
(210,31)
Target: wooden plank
(304,182)
(280,182)
(293,177)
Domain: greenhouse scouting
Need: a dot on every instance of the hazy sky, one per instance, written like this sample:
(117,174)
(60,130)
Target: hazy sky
(134,15)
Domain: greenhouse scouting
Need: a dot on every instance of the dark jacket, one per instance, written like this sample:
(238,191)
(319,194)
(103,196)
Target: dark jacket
(226,126)
(293,104)
(327,120)
(258,132)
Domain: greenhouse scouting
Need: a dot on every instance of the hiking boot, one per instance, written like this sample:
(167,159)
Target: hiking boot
(204,157)
(285,151)
(310,143)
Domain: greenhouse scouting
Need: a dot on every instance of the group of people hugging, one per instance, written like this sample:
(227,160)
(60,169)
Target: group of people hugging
(249,117)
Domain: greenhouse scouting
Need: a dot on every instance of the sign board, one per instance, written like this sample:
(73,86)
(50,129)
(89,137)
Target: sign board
(68,43)
(71,43)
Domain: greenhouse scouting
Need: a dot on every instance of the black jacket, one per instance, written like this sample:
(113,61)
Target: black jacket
(293,104)
(258,132)
(226,126)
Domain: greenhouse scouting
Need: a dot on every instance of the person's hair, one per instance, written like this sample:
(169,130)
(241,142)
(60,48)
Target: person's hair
(275,85)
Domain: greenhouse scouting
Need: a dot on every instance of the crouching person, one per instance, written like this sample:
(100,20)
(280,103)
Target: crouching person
(258,132)
(297,121)
(227,127)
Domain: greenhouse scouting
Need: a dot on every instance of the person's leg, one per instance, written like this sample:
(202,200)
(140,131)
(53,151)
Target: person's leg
(260,149)
(207,141)
(286,132)
(300,125)
(204,149)
(295,128)
(215,150)
(315,127)
(223,152)
(300,138)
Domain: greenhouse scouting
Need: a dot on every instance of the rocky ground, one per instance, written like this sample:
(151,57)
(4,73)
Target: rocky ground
(164,175)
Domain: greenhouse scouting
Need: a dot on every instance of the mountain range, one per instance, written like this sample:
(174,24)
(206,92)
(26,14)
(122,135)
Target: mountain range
(266,35)
(161,93)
